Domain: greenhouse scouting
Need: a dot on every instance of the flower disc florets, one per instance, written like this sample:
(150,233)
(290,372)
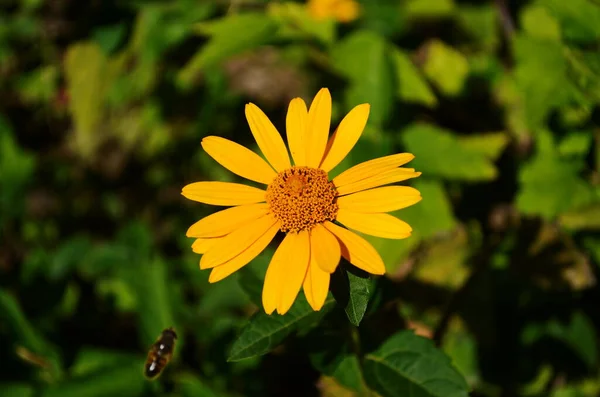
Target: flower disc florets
(301,197)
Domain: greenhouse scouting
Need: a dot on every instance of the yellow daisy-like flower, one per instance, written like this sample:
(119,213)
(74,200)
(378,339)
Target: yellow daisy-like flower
(300,201)
(340,10)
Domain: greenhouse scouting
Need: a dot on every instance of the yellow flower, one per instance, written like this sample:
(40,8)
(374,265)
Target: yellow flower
(340,10)
(300,201)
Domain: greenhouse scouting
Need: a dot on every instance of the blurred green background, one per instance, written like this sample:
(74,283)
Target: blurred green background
(103,105)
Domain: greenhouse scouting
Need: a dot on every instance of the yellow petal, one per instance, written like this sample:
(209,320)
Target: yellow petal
(236,242)
(268,139)
(378,225)
(223,193)
(357,250)
(325,248)
(201,245)
(220,272)
(294,272)
(226,221)
(384,178)
(346,136)
(371,168)
(317,131)
(316,285)
(295,121)
(381,199)
(238,159)
(274,276)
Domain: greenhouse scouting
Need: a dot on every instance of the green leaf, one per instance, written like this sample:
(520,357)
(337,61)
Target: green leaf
(149,281)
(345,369)
(351,288)
(332,352)
(489,145)
(579,334)
(435,148)
(86,77)
(575,143)
(540,92)
(538,22)
(409,365)
(90,360)
(446,68)
(68,256)
(412,86)
(191,386)
(21,330)
(386,17)
(429,8)
(481,22)
(16,172)
(230,35)
(360,292)
(296,22)
(539,178)
(579,19)
(461,347)
(40,85)
(122,380)
(110,37)
(363,59)
(17,390)
(264,332)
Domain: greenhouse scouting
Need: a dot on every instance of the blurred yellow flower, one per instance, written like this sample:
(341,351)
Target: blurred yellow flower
(300,201)
(340,10)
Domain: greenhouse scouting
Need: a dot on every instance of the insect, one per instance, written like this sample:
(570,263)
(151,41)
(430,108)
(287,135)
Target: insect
(160,353)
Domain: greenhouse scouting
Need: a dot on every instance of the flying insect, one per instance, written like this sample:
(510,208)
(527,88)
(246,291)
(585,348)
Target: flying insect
(160,353)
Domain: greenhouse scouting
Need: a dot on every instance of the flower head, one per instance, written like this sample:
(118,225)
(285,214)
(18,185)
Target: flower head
(301,201)
(340,10)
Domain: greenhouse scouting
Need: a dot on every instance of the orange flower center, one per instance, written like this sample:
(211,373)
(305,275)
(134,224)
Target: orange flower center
(301,197)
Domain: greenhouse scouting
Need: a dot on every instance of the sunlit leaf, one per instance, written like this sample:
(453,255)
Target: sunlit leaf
(85,73)
(363,59)
(446,68)
(490,145)
(540,178)
(429,8)
(439,153)
(412,86)
(540,92)
(297,22)
(579,19)
(538,22)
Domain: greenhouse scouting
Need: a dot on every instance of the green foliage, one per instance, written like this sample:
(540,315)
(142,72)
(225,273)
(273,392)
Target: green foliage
(540,177)
(446,68)
(103,107)
(363,59)
(16,171)
(439,153)
(265,332)
(409,364)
